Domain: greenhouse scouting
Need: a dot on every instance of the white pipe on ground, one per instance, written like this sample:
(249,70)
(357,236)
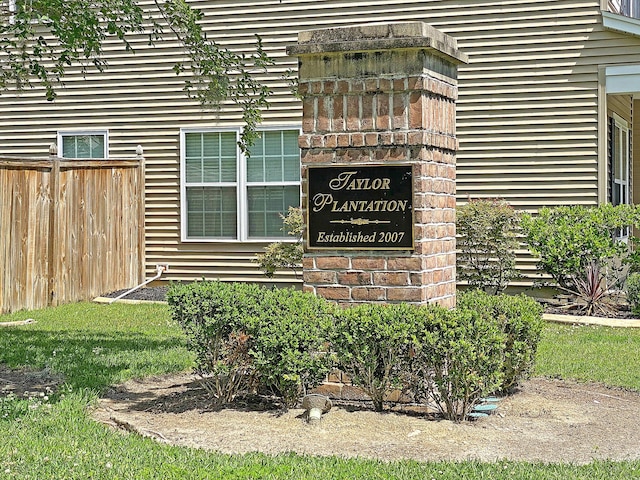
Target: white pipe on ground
(160,269)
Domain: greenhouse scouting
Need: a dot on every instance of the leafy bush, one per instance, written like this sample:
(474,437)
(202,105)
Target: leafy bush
(244,335)
(487,240)
(455,360)
(577,246)
(212,314)
(279,255)
(289,350)
(632,289)
(370,342)
(520,319)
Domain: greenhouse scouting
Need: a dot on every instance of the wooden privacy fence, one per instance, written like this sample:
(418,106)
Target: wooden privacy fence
(71,229)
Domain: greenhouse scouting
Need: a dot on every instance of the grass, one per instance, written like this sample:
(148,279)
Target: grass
(591,354)
(96,346)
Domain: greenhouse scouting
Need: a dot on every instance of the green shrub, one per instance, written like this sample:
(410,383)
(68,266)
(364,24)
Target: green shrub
(632,289)
(487,240)
(244,335)
(212,314)
(520,319)
(290,343)
(370,342)
(455,359)
(281,255)
(577,246)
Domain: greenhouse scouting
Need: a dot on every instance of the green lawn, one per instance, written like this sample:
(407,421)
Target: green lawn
(96,346)
(591,354)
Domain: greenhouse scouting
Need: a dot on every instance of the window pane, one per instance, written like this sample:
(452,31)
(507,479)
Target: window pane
(617,198)
(193,145)
(272,143)
(210,144)
(211,212)
(210,170)
(266,204)
(228,169)
(291,156)
(97,146)
(273,169)
(210,157)
(292,168)
(275,157)
(83,146)
(193,167)
(255,168)
(256,162)
(290,142)
(68,147)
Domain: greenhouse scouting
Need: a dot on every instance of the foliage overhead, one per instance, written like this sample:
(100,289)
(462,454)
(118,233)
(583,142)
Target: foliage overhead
(41,39)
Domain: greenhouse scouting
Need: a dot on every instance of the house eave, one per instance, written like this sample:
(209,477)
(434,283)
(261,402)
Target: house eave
(621,23)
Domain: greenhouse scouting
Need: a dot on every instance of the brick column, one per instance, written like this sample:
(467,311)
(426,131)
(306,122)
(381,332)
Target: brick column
(383,94)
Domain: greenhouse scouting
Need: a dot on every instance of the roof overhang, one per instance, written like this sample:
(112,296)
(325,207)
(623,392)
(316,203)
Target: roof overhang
(623,79)
(621,23)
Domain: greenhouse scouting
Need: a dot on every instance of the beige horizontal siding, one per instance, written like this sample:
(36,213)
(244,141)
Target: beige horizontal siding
(527,112)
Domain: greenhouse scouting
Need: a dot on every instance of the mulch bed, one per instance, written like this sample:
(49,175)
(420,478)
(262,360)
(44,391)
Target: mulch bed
(156,294)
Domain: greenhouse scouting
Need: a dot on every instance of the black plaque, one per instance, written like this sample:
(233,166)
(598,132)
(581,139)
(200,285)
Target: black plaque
(360,207)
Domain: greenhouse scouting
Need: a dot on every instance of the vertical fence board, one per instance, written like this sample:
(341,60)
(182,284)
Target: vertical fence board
(71,229)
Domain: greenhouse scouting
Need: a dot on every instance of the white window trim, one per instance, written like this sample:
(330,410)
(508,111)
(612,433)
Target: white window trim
(241,189)
(72,133)
(623,126)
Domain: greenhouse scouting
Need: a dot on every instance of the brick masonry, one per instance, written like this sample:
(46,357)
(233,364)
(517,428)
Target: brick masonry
(378,94)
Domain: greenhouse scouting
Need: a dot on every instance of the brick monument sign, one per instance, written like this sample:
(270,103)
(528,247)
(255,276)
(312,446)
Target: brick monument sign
(378,150)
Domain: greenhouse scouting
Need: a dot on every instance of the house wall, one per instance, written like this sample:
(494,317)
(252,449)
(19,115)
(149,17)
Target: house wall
(621,105)
(527,110)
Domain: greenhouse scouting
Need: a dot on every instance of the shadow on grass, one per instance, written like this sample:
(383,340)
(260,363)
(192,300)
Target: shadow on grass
(91,360)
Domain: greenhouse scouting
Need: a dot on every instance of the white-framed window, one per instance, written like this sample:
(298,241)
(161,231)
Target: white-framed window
(229,196)
(620,168)
(620,161)
(83,144)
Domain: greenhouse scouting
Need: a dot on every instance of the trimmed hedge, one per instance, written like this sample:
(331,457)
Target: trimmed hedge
(457,361)
(282,331)
(246,336)
(520,319)
(370,342)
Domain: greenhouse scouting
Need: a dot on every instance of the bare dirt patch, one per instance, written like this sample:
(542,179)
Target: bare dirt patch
(546,420)
(27,383)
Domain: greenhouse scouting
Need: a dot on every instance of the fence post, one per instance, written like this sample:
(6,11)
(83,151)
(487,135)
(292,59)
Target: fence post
(141,214)
(52,240)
